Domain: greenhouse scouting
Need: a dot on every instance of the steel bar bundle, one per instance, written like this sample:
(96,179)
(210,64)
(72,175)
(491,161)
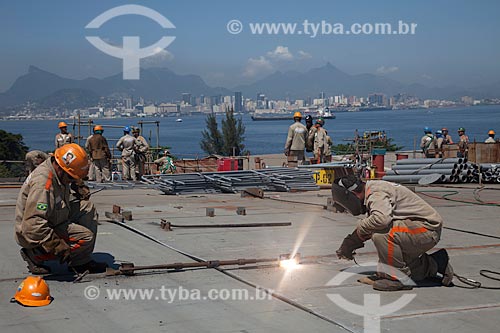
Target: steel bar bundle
(272,179)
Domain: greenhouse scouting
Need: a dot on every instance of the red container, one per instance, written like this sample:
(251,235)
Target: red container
(227,164)
(401,156)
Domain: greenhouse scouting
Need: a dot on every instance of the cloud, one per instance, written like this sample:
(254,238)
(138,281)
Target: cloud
(273,60)
(387,70)
(161,56)
(427,77)
(280,53)
(304,55)
(256,66)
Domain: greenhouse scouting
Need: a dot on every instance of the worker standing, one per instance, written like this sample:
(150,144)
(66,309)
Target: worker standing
(463,143)
(426,142)
(100,155)
(126,144)
(48,225)
(319,141)
(438,144)
(91,175)
(141,149)
(402,226)
(64,137)
(491,137)
(311,130)
(328,148)
(447,137)
(296,141)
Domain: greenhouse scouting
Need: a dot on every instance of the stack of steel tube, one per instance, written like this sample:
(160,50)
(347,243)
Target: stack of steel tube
(452,170)
(490,173)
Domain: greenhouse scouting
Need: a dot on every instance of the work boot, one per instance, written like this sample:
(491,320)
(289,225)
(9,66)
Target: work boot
(35,267)
(444,268)
(92,266)
(390,285)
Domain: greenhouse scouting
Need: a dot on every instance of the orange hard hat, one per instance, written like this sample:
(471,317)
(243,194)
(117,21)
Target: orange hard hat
(98,128)
(491,132)
(297,115)
(33,291)
(73,160)
(62,124)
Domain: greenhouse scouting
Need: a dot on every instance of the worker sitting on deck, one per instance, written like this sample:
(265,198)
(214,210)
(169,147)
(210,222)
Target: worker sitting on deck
(402,226)
(166,163)
(51,226)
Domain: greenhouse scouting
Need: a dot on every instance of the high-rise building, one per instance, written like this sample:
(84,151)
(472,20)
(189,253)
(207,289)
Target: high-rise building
(186,98)
(128,103)
(376,99)
(238,102)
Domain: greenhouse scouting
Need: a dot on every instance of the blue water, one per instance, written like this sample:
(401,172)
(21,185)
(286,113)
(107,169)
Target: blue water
(268,137)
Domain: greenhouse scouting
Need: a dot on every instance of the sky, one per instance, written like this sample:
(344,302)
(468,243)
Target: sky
(455,42)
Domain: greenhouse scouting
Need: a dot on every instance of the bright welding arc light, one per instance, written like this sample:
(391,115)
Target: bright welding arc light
(289,263)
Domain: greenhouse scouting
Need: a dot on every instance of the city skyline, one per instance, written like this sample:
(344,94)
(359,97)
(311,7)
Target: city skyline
(454,44)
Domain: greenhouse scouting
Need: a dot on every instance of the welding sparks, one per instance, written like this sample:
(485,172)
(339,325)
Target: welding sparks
(289,263)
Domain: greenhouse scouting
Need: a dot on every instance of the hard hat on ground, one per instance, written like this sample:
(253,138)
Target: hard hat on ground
(73,160)
(427,129)
(62,124)
(461,129)
(297,115)
(491,132)
(33,291)
(126,129)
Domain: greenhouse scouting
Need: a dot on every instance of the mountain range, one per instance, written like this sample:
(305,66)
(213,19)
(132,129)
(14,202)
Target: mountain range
(162,84)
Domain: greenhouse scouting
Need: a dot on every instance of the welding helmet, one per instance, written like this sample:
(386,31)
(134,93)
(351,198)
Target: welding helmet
(342,194)
(73,160)
(33,291)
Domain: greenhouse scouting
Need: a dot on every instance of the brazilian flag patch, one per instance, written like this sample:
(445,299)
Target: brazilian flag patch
(41,206)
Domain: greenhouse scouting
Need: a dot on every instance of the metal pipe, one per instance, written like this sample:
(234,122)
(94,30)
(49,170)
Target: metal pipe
(420,172)
(406,178)
(429,166)
(431,160)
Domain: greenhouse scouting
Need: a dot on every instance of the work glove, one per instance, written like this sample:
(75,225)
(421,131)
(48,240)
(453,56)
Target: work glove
(58,247)
(286,151)
(82,191)
(350,243)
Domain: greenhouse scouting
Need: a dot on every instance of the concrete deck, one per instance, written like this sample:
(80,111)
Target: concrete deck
(314,232)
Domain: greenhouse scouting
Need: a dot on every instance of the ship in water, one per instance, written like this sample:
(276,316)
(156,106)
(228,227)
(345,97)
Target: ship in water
(288,115)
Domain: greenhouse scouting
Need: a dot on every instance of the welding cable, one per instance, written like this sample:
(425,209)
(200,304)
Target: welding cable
(233,276)
(473,284)
(451,193)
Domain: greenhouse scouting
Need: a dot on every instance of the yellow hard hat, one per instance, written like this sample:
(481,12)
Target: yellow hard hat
(98,128)
(491,132)
(62,124)
(297,115)
(33,291)
(73,160)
